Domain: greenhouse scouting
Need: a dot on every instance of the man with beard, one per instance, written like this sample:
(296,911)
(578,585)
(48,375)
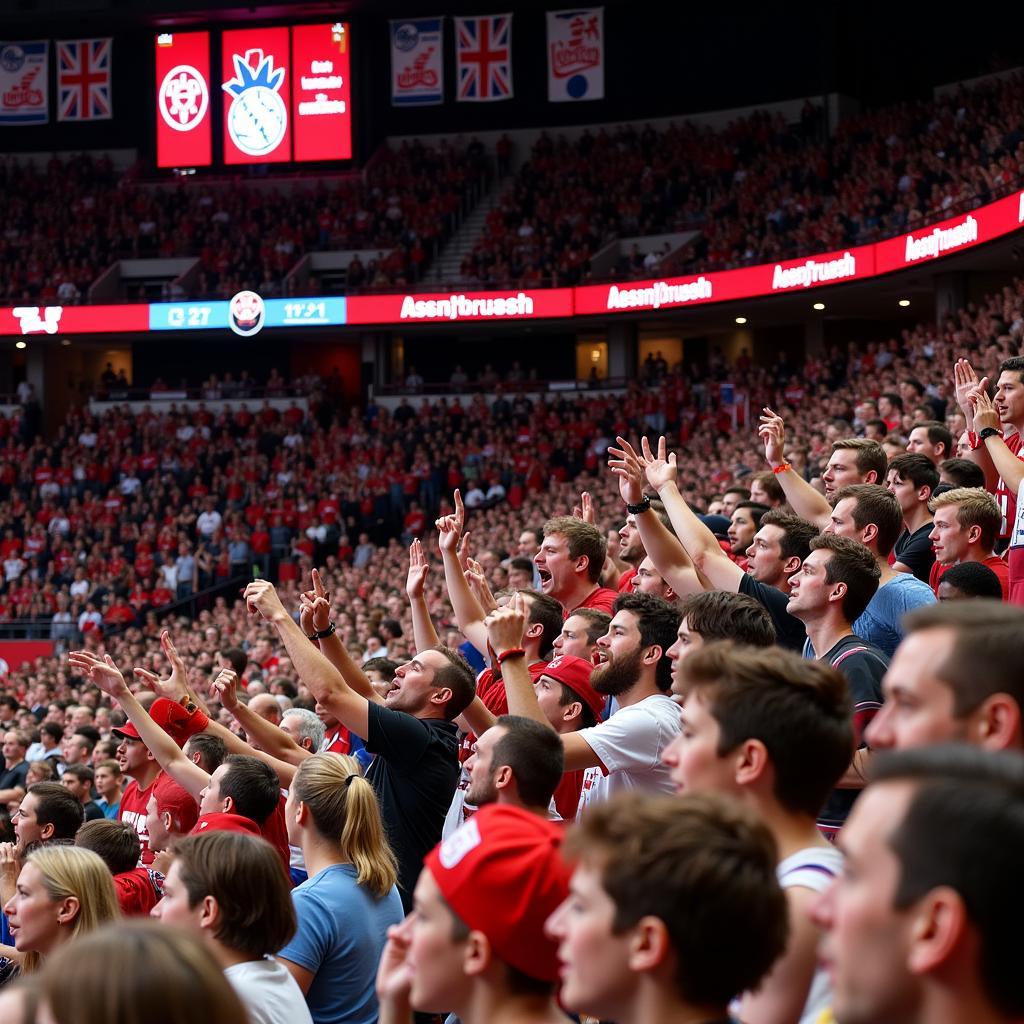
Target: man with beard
(517,761)
(624,752)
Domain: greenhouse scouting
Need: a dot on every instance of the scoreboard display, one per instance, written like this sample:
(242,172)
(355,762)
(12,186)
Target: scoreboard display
(285,96)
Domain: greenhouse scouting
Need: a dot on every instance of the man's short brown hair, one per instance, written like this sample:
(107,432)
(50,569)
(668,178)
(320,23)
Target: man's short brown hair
(874,505)
(721,615)
(975,507)
(583,540)
(850,563)
(706,867)
(116,842)
(868,455)
(798,708)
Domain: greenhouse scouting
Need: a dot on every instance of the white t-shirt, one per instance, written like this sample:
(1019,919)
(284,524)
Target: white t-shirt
(812,868)
(270,993)
(630,745)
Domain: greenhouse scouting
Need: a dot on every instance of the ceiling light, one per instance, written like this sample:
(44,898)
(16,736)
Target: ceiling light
(20,344)
(904,302)
(819,305)
(741,319)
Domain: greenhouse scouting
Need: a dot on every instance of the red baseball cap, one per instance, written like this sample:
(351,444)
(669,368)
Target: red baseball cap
(221,821)
(502,873)
(169,715)
(575,673)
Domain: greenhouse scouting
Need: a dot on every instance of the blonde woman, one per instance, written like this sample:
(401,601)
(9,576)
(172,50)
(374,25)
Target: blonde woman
(162,976)
(350,899)
(62,892)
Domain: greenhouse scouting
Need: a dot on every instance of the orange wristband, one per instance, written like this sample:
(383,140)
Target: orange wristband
(782,468)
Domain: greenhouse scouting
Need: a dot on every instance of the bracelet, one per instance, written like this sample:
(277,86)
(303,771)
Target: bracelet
(311,636)
(973,440)
(323,634)
(985,433)
(512,652)
(643,506)
(782,467)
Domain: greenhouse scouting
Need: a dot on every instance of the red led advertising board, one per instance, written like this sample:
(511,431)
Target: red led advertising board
(459,307)
(321,95)
(183,134)
(255,83)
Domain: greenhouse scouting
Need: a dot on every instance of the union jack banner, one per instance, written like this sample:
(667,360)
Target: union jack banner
(83,80)
(483,51)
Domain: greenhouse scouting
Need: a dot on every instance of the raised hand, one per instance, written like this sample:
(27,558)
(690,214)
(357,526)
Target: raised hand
(262,598)
(102,672)
(418,569)
(477,580)
(585,509)
(772,432)
(626,465)
(225,689)
(985,414)
(505,626)
(965,380)
(660,468)
(464,551)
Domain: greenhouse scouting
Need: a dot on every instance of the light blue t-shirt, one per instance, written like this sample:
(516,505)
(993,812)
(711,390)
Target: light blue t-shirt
(340,938)
(882,621)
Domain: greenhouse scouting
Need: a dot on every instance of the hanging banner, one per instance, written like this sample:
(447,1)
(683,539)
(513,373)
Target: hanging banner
(183,132)
(417,62)
(321,92)
(576,55)
(83,80)
(483,58)
(24,83)
(256,87)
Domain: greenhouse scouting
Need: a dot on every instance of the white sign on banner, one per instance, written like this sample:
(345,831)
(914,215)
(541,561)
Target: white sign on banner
(417,62)
(24,82)
(576,55)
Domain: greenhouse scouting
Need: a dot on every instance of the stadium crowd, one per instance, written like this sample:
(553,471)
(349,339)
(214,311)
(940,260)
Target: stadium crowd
(63,228)
(746,666)
(756,191)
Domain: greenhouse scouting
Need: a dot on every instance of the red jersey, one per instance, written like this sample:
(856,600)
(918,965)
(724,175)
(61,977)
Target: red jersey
(994,562)
(1006,499)
(601,598)
(133,810)
(136,893)
(625,584)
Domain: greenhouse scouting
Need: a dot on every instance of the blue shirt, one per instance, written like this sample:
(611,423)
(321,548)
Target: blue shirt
(882,621)
(340,938)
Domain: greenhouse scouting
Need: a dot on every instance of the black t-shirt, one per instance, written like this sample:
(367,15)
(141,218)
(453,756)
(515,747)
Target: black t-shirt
(93,811)
(789,631)
(863,664)
(16,776)
(414,775)
(915,551)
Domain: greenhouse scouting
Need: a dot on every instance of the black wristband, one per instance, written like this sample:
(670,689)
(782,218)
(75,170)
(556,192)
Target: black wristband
(643,506)
(323,634)
(987,432)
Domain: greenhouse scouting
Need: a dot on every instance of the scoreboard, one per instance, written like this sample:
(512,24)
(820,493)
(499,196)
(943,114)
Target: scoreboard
(284,95)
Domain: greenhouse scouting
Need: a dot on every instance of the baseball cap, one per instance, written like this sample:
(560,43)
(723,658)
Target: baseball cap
(575,673)
(178,802)
(169,715)
(221,821)
(718,525)
(502,874)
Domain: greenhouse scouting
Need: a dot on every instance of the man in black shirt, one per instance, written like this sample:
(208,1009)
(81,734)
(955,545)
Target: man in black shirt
(411,731)
(912,478)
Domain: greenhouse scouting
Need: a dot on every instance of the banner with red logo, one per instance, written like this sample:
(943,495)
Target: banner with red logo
(321,92)
(183,133)
(417,62)
(576,55)
(24,83)
(460,307)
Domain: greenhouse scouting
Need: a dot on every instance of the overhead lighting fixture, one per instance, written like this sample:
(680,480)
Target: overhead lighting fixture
(65,342)
(741,319)
(819,305)
(904,302)
(20,344)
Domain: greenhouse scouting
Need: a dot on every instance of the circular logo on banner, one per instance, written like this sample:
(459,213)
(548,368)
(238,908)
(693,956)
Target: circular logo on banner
(406,37)
(246,313)
(12,57)
(183,98)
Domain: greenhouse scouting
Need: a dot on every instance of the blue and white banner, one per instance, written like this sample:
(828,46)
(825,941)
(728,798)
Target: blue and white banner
(25,83)
(417,62)
(576,55)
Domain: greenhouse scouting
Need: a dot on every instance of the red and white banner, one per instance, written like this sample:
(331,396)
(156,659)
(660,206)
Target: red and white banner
(459,307)
(321,92)
(183,132)
(15,654)
(83,80)
(24,82)
(576,55)
(255,84)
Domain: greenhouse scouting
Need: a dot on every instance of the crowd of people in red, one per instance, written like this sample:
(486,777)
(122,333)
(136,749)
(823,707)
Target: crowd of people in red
(756,191)
(64,225)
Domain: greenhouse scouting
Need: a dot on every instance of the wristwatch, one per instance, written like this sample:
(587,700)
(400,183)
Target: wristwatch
(188,704)
(986,432)
(643,506)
